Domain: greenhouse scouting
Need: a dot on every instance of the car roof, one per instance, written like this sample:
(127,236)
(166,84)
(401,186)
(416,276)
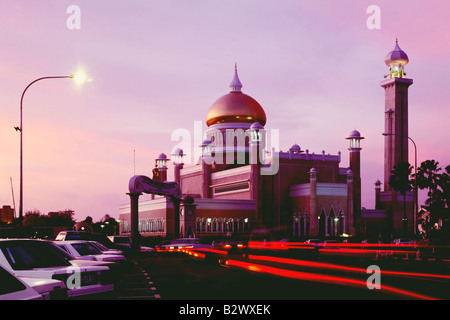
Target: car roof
(70,241)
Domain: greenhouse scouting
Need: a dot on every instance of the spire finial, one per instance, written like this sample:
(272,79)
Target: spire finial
(236,84)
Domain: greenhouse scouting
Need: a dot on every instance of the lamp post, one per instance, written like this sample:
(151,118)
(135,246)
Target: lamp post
(80,78)
(415,180)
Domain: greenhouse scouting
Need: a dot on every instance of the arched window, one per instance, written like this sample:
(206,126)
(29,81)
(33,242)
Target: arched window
(341,228)
(332,222)
(295,230)
(307,222)
(301,223)
(322,223)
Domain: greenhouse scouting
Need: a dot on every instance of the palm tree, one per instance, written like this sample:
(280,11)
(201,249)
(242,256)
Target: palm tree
(400,181)
(428,176)
(445,185)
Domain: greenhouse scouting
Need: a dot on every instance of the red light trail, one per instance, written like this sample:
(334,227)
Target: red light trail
(299,275)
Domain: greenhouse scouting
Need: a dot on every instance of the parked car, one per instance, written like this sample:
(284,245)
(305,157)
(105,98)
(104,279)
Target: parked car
(49,289)
(163,245)
(121,240)
(330,243)
(105,250)
(230,245)
(82,235)
(403,241)
(125,242)
(13,288)
(188,243)
(40,259)
(84,250)
(315,242)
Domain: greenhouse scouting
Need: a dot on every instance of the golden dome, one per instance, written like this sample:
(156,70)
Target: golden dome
(235,107)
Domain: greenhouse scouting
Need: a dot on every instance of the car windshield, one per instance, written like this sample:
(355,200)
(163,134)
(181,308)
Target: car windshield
(62,252)
(26,255)
(89,236)
(99,246)
(85,249)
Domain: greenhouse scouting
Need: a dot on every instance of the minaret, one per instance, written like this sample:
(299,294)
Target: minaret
(257,140)
(206,168)
(161,165)
(314,222)
(377,194)
(355,166)
(178,163)
(396,112)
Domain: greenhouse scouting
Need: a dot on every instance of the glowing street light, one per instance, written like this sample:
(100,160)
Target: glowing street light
(80,78)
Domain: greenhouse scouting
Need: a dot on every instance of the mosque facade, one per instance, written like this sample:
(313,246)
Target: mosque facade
(239,185)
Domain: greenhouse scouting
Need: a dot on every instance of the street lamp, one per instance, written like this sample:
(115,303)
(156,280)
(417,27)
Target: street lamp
(415,179)
(80,78)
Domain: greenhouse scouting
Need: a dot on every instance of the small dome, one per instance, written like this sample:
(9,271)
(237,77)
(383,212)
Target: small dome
(178,152)
(396,57)
(256,126)
(313,170)
(205,143)
(295,148)
(354,134)
(162,156)
(349,172)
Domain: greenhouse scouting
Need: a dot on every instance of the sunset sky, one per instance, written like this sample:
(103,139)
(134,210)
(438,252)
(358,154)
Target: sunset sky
(155,66)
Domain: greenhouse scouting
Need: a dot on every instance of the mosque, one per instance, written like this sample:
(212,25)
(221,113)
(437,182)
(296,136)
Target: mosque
(240,185)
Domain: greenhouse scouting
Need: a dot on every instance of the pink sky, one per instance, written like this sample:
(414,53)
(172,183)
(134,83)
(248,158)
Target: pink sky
(157,66)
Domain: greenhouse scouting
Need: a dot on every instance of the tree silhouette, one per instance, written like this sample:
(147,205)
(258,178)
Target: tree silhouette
(445,185)
(430,176)
(400,181)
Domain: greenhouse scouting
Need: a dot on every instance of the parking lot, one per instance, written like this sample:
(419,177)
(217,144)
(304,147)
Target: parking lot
(75,266)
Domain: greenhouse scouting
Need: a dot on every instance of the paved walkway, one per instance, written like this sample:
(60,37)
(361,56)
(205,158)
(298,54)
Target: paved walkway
(134,283)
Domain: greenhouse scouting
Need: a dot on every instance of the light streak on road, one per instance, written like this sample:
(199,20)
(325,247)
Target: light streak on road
(316,277)
(313,264)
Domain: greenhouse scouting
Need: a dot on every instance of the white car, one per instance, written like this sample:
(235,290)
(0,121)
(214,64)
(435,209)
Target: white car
(49,289)
(121,240)
(104,249)
(39,259)
(188,243)
(14,288)
(125,241)
(84,250)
